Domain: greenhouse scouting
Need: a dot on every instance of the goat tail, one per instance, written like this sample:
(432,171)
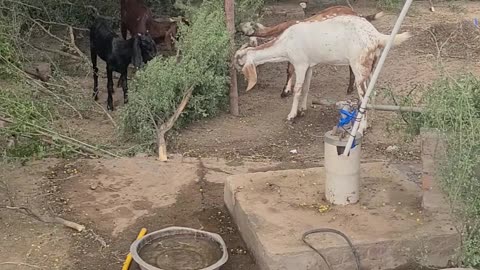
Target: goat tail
(399,38)
(373,17)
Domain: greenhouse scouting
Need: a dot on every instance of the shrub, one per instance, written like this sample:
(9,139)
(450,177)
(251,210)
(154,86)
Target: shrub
(156,91)
(453,107)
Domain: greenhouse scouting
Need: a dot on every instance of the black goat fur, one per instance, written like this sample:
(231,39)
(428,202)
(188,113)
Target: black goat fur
(117,54)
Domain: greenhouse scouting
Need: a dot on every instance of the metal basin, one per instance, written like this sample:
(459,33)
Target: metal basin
(179,248)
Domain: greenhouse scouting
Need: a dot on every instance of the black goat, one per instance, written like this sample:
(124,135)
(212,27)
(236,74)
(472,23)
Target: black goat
(117,54)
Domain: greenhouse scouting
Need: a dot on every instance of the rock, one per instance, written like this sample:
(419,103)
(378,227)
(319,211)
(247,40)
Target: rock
(93,186)
(44,71)
(391,148)
(41,71)
(141,155)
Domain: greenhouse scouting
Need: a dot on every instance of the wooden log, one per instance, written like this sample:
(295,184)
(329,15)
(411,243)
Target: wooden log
(230,21)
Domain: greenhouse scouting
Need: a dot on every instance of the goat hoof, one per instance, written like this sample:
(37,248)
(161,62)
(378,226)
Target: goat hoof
(301,113)
(285,94)
(290,121)
(110,108)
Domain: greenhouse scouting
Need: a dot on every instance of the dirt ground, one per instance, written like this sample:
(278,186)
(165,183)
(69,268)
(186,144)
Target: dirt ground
(114,199)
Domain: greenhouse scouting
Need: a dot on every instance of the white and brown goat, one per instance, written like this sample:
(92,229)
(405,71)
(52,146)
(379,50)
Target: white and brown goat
(256,31)
(341,40)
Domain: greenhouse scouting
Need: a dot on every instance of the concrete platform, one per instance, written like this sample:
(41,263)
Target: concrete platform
(387,226)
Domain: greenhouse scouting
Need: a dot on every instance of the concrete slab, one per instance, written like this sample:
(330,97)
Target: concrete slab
(387,226)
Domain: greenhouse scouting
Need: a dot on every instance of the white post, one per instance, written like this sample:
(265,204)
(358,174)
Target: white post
(376,72)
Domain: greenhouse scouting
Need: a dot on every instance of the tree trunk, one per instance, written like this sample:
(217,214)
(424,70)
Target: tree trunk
(162,146)
(165,127)
(230,20)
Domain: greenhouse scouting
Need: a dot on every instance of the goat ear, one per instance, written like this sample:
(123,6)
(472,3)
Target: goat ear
(250,73)
(137,60)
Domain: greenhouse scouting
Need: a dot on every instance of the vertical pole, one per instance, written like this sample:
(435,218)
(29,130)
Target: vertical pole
(230,20)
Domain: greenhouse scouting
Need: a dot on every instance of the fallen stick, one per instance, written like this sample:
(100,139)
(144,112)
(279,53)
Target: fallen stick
(78,58)
(389,108)
(47,219)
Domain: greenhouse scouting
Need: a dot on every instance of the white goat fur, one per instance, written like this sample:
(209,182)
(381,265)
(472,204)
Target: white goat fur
(342,40)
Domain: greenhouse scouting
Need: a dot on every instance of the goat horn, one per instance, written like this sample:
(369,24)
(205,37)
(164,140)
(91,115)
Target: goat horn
(243,46)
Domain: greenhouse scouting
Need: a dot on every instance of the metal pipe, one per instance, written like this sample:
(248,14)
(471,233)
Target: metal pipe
(379,107)
(363,106)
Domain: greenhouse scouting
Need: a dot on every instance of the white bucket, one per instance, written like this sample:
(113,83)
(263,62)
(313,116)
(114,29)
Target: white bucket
(342,181)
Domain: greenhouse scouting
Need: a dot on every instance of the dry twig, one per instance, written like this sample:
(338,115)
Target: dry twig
(106,112)
(47,219)
(21,264)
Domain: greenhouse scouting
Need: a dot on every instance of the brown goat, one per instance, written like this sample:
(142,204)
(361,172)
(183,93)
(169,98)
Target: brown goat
(137,18)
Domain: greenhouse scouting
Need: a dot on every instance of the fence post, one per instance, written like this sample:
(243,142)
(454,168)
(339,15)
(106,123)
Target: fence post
(230,20)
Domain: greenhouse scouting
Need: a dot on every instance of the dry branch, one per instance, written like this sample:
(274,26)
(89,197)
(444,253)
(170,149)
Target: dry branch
(70,44)
(166,126)
(62,24)
(65,139)
(23,4)
(42,87)
(78,58)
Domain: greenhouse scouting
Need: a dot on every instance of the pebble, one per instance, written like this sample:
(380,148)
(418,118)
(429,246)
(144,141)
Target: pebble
(391,148)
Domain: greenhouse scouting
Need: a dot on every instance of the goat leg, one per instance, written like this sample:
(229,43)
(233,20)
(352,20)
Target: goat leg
(123,78)
(287,89)
(110,88)
(93,55)
(351,81)
(123,30)
(305,89)
(300,73)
